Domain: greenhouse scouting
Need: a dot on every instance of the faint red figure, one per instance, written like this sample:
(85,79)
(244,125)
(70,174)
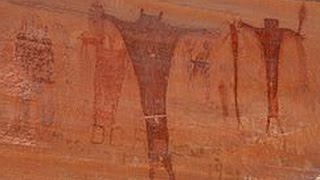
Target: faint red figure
(223,99)
(271,37)
(199,68)
(34,60)
(200,65)
(110,57)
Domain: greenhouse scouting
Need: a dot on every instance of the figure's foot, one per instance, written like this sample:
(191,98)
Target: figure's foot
(97,134)
(151,173)
(19,134)
(161,160)
(280,128)
(268,131)
(172,176)
(12,130)
(112,129)
(272,130)
(166,161)
(19,130)
(240,126)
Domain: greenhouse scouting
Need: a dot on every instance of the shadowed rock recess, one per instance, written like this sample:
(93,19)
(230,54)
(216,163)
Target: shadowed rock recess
(195,89)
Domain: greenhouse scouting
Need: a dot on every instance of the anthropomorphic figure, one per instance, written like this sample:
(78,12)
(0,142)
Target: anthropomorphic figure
(150,46)
(200,65)
(202,75)
(34,58)
(235,48)
(271,38)
(106,46)
(150,43)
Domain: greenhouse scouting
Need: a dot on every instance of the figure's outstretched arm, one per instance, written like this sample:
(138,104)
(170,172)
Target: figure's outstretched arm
(189,31)
(256,30)
(291,33)
(120,24)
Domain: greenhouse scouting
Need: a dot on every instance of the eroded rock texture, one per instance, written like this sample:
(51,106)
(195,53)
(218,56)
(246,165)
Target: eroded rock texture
(116,89)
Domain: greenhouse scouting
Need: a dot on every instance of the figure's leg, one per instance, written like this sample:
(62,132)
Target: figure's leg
(280,125)
(48,110)
(268,125)
(153,160)
(158,141)
(191,74)
(223,98)
(272,106)
(112,125)
(168,165)
(273,101)
(20,125)
(108,80)
(104,123)
(98,129)
(166,156)
(272,118)
(151,152)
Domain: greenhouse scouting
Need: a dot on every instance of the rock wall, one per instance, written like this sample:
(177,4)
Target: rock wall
(72,106)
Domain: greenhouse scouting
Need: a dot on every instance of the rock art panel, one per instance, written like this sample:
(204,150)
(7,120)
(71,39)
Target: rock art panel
(159,90)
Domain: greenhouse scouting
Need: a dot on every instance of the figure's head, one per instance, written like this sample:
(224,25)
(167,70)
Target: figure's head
(270,23)
(150,19)
(96,13)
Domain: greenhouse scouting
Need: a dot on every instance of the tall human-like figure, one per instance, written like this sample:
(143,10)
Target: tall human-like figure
(34,58)
(105,44)
(150,43)
(235,47)
(271,38)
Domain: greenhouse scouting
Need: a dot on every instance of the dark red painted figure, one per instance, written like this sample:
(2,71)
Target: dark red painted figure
(150,43)
(235,48)
(271,38)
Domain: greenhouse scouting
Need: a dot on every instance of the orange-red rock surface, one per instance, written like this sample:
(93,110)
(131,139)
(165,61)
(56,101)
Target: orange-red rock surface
(67,82)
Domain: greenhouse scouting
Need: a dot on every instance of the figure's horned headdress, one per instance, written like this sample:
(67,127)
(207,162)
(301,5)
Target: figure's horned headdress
(147,17)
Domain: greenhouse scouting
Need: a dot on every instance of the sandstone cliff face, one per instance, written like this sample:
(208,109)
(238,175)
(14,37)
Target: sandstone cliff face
(91,93)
